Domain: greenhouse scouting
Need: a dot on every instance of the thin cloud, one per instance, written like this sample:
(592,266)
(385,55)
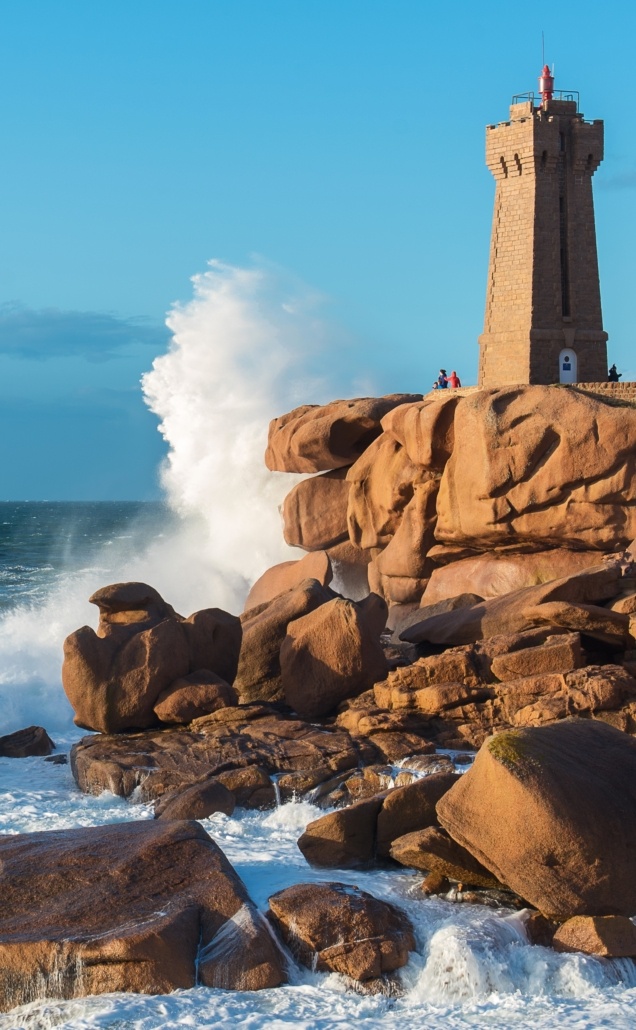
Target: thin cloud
(39,335)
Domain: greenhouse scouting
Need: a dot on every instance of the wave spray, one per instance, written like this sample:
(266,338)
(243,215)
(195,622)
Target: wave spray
(247,347)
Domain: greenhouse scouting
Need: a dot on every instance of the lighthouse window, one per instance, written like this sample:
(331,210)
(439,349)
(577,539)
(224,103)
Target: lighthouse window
(504,167)
(518,163)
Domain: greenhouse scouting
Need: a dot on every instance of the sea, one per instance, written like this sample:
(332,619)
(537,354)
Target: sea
(473,966)
(248,346)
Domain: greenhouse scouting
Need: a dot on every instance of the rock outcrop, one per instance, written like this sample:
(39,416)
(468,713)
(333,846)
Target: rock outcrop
(448,494)
(331,654)
(145,907)
(115,676)
(338,928)
(579,596)
(287,575)
(543,466)
(315,512)
(433,851)
(32,741)
(319,438)
(608,936)
(252,740)
(196,802)
(192,696)
(258,676)
(551,812)
(354,837)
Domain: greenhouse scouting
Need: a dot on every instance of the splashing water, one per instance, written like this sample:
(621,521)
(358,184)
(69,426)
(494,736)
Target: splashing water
(247,347)
(238,357)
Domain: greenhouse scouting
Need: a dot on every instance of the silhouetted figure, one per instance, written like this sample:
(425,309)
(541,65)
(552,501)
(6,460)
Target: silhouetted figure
(442,381)
(454,381)
(613,376)
(435,385)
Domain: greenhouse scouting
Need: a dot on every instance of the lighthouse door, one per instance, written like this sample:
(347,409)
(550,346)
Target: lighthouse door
(567,367)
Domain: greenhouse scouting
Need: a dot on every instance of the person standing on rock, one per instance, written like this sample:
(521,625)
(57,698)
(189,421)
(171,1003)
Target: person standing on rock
(613,376)
(454,381)
(442,380)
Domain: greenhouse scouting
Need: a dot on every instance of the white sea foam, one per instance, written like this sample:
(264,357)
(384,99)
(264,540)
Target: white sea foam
(472,968)
(247,347)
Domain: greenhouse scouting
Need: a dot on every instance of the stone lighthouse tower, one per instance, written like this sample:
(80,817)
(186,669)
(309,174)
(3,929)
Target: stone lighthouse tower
(543,319)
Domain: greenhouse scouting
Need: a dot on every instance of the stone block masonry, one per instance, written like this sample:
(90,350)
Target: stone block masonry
(543,294)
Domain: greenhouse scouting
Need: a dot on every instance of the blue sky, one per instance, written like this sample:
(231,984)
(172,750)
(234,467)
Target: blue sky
(342,141)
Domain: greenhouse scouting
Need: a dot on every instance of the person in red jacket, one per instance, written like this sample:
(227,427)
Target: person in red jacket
(454,381)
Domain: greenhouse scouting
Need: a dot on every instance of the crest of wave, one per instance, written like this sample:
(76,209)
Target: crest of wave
(246,348)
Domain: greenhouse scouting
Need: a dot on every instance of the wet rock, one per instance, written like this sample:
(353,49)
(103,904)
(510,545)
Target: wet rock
(287,575)
(551,812)
(224,744)
(433,850)
(539,930)
(331,654)
(32,741)
(317,438)
(367,782)
(114,677)
(344,839)
(250,786)
(435,883)
(192,696)
(339,928)
(410,808)
(264,628)
(196,802)
(132,907)
(396,746)
(609,936)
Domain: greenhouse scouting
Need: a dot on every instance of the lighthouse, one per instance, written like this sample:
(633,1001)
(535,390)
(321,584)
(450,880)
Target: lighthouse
(543,321)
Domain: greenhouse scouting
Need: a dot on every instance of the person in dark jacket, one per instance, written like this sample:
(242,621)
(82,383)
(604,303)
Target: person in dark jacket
(442,379)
